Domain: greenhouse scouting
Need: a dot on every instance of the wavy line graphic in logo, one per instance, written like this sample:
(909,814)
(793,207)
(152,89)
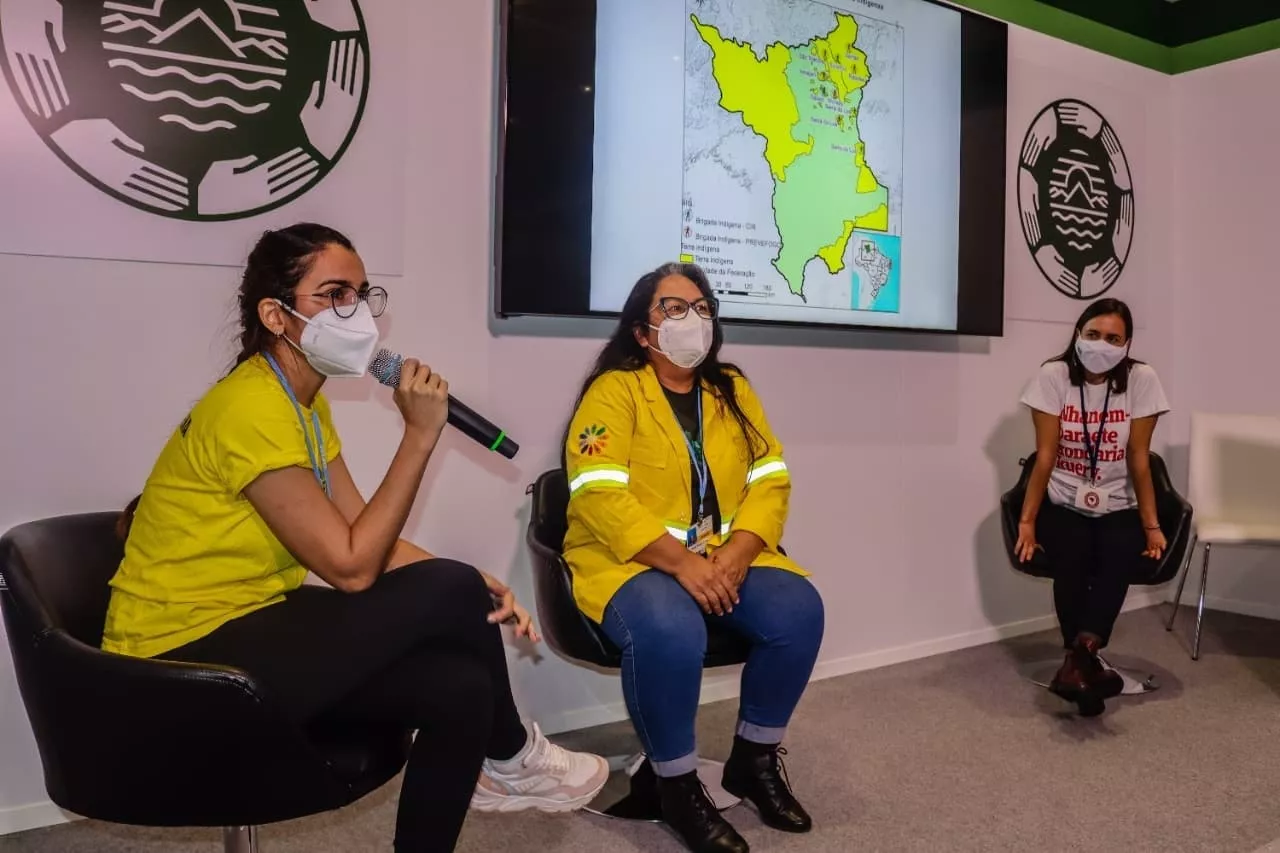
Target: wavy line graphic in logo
(1075,199)
(194,109)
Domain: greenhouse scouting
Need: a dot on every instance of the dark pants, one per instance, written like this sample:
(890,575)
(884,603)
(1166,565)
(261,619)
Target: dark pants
(416,650)
(1093,560)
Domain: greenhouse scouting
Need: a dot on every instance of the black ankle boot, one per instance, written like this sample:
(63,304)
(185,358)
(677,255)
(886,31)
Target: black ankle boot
(687,808)
(755,773)
(1077,679)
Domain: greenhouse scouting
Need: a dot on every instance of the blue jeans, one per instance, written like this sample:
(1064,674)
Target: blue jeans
(663,636)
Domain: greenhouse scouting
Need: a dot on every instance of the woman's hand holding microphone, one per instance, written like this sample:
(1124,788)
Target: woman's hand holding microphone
(423,400)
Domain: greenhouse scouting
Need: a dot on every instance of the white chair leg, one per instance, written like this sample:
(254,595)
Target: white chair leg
(1186,570)
(240,839)
(1204,582)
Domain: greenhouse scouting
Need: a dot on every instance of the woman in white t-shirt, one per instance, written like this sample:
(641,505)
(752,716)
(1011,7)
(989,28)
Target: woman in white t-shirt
(1094,410)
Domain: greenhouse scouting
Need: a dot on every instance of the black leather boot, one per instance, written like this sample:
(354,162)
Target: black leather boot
(1077,679)
(755,773)
(1109,683)
(687,808)
(642,801)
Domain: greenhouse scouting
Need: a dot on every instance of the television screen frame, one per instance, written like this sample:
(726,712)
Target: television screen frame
(552,242)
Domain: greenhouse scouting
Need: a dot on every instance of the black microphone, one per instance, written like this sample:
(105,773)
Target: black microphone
(385,368)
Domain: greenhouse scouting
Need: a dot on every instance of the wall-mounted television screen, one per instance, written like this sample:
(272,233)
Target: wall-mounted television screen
(836,163)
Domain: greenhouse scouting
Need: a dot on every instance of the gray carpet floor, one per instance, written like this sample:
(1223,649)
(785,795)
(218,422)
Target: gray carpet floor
(951,753)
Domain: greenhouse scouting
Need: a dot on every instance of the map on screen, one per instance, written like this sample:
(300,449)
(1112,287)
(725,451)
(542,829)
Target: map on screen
(824,230)
(805,153)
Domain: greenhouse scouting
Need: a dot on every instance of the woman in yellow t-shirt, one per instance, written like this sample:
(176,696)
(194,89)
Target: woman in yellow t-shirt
(251,492)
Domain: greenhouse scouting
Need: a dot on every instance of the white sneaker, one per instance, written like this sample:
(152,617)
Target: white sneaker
(542,776)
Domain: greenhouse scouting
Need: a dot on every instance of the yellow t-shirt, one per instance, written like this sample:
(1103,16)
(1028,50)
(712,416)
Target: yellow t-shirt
(198,553)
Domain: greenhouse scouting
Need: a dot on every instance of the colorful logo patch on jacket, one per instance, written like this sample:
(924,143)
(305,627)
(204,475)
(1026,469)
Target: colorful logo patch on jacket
(592,440)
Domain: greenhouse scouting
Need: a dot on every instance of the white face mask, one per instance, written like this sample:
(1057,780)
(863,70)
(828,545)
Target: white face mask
(338,347)
(1099,356)
(685,342)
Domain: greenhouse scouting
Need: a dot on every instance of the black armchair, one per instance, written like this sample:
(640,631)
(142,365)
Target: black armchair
(1175,521)
(154,742)
(1173,510)
(576,637)
(568,631)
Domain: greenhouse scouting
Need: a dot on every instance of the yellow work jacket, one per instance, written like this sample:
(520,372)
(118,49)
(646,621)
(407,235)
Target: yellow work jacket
(630,480)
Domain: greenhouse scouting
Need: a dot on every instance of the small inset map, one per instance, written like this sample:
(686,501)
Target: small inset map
(875,272)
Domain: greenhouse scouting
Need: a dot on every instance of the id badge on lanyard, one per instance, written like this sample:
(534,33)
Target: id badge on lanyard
(698,536)
(1089,496)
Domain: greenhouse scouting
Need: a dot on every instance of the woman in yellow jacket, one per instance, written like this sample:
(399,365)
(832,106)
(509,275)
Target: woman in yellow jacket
(678,497)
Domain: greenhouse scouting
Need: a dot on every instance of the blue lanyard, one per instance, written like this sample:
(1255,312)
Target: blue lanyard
(1093,449)
(699,460)
(319,464)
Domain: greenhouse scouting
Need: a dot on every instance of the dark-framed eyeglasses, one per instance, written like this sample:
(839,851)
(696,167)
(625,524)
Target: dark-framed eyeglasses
(675,308)
(345,299)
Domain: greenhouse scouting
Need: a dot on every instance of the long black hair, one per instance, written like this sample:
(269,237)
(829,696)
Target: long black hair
(1118,376)
(624,352)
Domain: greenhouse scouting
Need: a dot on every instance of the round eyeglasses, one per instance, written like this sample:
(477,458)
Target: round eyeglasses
(676,308)
(345,299)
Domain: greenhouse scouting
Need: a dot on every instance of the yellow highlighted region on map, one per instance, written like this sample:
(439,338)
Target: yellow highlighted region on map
(686,259)
(867,182)
(876,220)
(833,255)
(758,89)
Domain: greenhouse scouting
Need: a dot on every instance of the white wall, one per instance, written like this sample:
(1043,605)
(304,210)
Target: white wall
(1226,123)
(899,445)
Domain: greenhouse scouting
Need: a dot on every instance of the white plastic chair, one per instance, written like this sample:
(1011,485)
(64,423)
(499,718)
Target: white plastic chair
(1234,485)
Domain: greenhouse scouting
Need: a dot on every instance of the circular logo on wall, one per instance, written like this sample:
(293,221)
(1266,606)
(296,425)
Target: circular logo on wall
(194,109)
(1075,199)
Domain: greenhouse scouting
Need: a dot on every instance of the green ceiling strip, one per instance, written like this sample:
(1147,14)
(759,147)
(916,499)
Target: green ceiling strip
(1225,48)
(1075,29)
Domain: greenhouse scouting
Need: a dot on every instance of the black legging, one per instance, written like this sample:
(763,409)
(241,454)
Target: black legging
(415,649)
(1093,559)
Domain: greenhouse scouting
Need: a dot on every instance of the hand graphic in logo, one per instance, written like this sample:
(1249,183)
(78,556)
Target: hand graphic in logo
(1115,156)
(1077,115)
(338,15)
(1098,277)
(1055,269)
(113,159)
(1122,235)
(33,55)
(234,186)
(330,112)
(1029,208)
(1039,138)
